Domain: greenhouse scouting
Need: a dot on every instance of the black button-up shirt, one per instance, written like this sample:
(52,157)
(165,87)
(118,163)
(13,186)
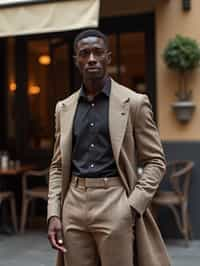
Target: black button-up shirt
(92,154)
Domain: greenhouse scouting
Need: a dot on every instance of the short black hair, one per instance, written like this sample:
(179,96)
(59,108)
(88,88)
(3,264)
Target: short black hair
(89,33)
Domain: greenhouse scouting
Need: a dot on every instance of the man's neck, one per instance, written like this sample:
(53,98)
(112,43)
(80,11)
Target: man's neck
(94,87)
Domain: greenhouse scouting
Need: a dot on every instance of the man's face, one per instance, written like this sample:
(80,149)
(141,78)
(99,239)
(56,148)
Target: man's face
(92,58)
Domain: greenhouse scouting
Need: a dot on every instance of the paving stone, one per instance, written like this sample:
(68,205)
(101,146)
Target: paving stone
(33,249)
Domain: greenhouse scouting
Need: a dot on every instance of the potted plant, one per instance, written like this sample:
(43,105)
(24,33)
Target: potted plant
(182,54)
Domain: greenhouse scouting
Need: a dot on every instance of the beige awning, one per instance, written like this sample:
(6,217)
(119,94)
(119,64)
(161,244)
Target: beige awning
(50,17)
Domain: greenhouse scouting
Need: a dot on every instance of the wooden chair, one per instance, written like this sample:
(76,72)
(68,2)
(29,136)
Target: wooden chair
(33,193)
(176,196)
(8,195)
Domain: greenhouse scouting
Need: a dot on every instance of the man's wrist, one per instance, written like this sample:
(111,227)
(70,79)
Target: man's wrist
(52,218)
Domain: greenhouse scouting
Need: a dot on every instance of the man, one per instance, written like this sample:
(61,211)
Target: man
(98,206)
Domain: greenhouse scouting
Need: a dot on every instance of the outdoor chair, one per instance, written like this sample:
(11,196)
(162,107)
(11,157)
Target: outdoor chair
(31,193)
(9,196)
(175,197)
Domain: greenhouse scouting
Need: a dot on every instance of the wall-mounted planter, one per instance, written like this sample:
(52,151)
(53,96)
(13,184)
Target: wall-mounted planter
(183,110)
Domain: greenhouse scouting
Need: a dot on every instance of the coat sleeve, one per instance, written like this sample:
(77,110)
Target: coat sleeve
(55,172)
(149,154)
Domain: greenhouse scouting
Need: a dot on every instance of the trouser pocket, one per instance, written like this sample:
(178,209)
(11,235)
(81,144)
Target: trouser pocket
(131,210)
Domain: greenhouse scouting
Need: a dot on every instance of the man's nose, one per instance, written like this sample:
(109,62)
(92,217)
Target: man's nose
(91,58)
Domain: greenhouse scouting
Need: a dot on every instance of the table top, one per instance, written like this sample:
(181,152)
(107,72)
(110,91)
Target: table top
(16,171)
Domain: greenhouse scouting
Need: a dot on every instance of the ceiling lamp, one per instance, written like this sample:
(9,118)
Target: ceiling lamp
(12,87)
(44,60)
(34,90)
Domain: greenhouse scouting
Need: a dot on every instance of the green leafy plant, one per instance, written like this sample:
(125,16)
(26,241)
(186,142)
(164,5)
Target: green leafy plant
(182,54)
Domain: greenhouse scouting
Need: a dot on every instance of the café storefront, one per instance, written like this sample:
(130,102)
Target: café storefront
(37,70)
(38,67)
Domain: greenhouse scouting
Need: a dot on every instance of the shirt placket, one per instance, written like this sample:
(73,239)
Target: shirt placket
(93,129)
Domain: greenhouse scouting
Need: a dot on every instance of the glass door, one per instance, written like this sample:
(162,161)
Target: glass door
(128,64)
(45,73)
(132,42)
(49,80)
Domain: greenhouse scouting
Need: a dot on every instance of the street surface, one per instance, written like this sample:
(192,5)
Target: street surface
(32,249)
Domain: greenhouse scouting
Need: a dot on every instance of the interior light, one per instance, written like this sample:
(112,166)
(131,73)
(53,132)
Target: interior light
(44,60)
(12,87)
(34,90)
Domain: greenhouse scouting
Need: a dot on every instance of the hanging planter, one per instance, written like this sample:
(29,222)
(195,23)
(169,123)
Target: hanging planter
(183,110)
(182,54)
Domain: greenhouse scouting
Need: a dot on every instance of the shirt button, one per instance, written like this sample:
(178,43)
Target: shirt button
(92,104)
(92,165)
(92,145)
(92,124)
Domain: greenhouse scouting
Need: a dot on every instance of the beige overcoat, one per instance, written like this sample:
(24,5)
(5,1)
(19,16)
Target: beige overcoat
(134,137)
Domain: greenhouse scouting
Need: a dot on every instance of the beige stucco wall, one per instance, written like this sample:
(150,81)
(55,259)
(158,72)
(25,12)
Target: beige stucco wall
(170,20)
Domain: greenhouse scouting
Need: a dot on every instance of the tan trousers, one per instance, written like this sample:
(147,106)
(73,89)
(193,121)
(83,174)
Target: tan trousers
(97,223)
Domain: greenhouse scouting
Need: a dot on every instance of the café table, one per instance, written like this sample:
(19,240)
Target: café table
(16,170)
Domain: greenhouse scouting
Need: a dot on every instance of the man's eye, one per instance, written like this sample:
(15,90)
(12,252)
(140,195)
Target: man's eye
(96,52)
(84,53)
(99,52)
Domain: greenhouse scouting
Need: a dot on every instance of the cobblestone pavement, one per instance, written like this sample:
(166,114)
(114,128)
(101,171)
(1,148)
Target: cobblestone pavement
(32,249)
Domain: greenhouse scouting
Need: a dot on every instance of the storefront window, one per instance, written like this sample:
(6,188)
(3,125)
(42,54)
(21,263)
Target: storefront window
(132,60)
(11,86)
(48,82)
(113,68)
(128,65)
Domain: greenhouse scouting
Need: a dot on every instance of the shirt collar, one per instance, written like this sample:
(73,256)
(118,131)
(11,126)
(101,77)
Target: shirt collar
(106,88)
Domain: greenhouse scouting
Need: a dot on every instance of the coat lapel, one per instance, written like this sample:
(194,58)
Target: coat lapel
(68,109)
(118,117)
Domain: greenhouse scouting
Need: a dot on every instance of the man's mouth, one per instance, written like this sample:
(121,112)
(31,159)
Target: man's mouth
(92,69)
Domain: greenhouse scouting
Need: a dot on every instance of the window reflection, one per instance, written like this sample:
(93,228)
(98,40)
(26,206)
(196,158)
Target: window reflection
(113,68)
(132,60)
(52,77)
(11,86)
(48,82)
(128,65)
